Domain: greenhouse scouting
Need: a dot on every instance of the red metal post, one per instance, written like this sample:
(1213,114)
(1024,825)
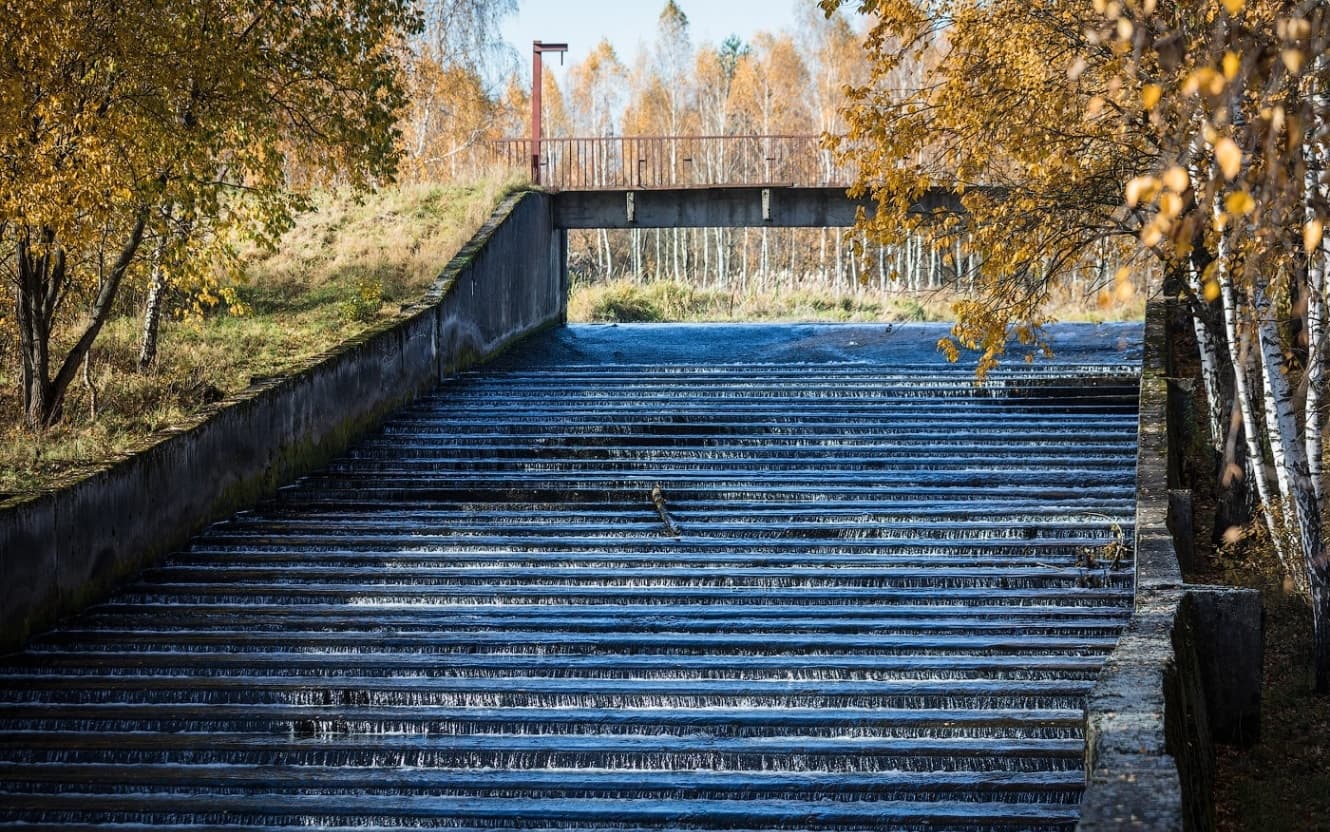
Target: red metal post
(537,76)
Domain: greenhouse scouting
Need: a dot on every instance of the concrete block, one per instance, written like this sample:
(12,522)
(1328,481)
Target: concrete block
(1230,652)
(29,586)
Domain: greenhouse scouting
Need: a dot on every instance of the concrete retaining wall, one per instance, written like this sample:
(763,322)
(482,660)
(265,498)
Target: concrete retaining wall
(1187,670)
(62,550)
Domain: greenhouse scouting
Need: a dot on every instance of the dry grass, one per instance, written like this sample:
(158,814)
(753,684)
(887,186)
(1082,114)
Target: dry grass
(1283,782)
(624,301)
(344,266)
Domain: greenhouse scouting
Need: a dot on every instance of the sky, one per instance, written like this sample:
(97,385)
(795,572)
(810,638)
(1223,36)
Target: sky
(582,23)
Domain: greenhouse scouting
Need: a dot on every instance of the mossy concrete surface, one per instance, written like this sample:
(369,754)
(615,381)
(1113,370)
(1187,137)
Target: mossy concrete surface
(62,550)
(1187,670)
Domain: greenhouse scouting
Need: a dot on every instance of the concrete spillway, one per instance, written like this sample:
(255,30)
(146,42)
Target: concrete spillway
(783,577)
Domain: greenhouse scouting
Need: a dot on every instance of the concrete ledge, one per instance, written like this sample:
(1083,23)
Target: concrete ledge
(1186,672)
(62,550)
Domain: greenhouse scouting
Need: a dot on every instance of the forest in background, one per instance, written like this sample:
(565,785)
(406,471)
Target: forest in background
(780,84)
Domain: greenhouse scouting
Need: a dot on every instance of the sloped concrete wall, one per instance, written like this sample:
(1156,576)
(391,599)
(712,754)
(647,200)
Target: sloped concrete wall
(62,550)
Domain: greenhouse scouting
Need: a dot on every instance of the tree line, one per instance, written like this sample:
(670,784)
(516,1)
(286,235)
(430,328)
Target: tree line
(782,83)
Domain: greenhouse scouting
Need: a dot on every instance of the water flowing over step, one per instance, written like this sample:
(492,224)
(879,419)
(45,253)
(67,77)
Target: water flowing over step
(670,577)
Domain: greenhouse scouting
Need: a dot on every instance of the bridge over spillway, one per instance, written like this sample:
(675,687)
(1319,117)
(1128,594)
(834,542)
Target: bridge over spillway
(691,577)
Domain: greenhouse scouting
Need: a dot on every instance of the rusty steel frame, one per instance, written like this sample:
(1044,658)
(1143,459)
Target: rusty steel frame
(539,48)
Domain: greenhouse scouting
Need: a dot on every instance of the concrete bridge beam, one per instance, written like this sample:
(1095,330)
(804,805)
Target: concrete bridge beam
(774,206)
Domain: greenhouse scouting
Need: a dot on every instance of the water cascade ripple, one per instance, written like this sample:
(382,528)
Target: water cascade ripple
(629,577)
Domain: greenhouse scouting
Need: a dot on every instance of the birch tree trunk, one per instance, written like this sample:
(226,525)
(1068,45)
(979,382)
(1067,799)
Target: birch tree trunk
(1302,510)
(1316,157)
(152,315)
(1240,356)
(1205,344)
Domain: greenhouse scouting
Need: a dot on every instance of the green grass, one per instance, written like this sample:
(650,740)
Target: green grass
(343,268)
(623,301)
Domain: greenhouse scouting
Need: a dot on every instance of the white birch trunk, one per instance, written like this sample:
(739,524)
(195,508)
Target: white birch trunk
(743,278)
(1281,422)
(1302,510)
(1315,153)
(706,257)
(1240,357)
(836,277)
(1205,344)
(822,255)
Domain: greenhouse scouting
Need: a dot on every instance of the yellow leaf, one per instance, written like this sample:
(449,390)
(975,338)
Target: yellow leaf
(1232,62)
(1125,291)
(1210,290)
(1311,235)
(1293,59)
(1104,299)
(1205,80)
(1229,157)
(1140,189)
(1170,204)
(1234,6)
(1176,179)
(1150,94)
(1122,275)
(1293,28)
(1239,203)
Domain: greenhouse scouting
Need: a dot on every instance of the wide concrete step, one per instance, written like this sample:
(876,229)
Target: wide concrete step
(719,722)
(1055,786)
(571,813)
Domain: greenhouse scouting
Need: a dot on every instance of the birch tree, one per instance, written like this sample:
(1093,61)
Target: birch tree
(1193,130)
(115,110)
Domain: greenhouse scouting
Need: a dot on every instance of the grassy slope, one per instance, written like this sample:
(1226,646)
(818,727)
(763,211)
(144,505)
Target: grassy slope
(301,301)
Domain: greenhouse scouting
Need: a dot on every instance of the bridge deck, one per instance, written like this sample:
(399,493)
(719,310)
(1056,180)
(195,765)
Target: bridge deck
(867,594)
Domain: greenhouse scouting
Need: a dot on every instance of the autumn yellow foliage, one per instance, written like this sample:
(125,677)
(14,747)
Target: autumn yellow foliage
(1192,134)
(132,126)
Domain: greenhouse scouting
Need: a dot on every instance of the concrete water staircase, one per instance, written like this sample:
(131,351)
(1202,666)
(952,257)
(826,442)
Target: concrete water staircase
(781,577)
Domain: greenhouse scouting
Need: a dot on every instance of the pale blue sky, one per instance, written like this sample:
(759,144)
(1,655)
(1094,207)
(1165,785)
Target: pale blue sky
(582,23)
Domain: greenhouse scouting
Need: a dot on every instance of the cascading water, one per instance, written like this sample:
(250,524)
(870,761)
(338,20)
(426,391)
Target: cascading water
(784,577)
